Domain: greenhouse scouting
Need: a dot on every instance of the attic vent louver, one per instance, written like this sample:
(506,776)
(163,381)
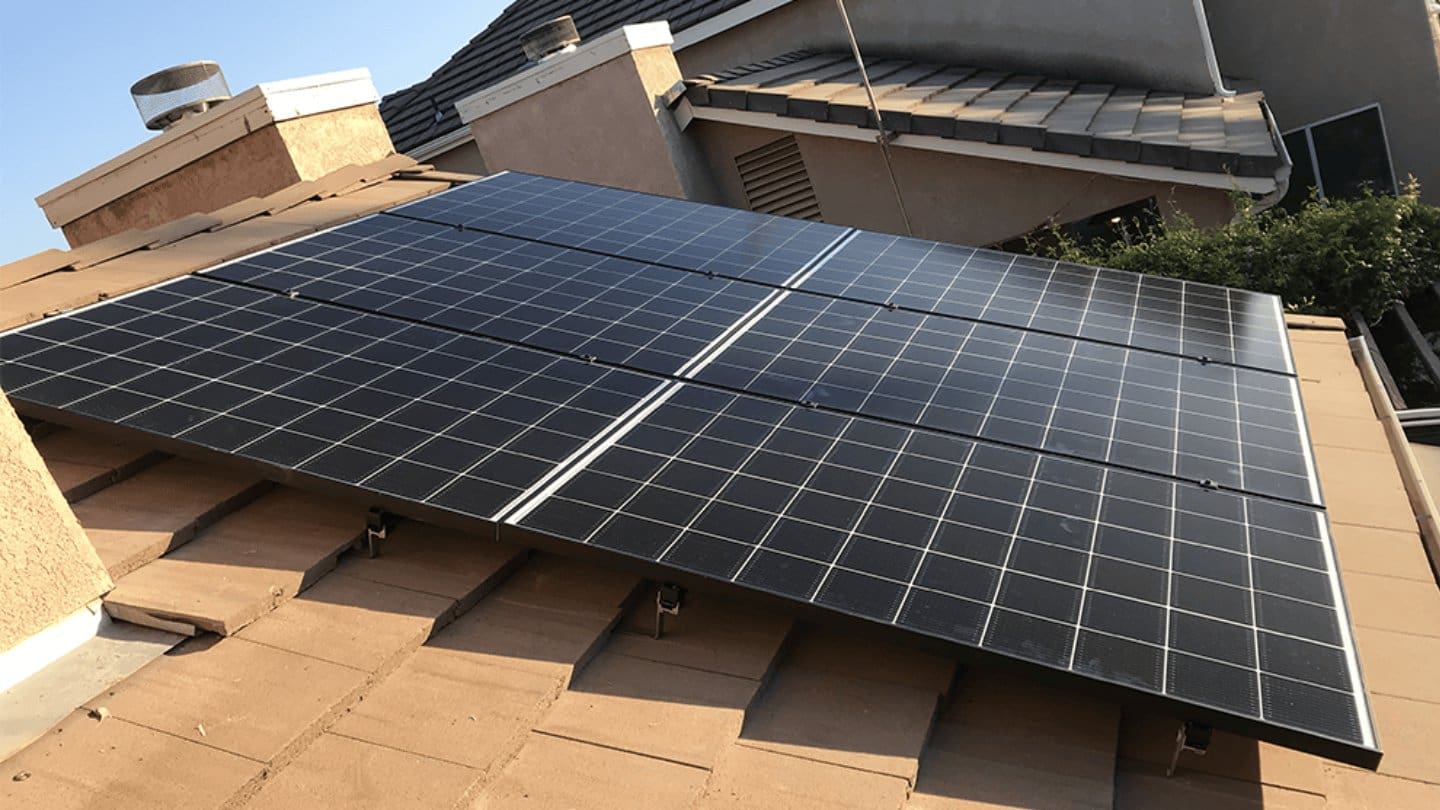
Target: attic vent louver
(550,38)
(167,96)
(776,182)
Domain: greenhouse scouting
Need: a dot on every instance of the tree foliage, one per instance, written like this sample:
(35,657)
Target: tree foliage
(1332,257)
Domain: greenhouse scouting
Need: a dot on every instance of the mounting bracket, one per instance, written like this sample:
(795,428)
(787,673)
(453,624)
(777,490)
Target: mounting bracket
(668,599)
(377,528)
(1192,737)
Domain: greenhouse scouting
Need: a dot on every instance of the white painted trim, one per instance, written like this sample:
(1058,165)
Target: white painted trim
(557,69)
(444,143)
(720,23)
(199,135)
(50,645)
(991,151)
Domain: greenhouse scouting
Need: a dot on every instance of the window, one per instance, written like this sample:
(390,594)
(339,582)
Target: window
(1340,157)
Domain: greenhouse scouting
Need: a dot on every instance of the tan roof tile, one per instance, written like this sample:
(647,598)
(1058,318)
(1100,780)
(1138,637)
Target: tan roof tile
(660,710)
(1400,605)
(1151,739)
(1400,664)
(338,773)
(447,705)
(842,720)
(1143,786)
(354,622)
(244,566)
(438,561)
(1354,789)
(751,779)
(160,508)
(550,772)
(711,633)
(85,763)
(82,463)
(831,651)
(1407,730)
(1386,552)
(237,696)
(1363,488)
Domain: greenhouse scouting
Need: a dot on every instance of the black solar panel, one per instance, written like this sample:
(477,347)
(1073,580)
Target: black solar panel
(422,414)
(1130,578)
(1235,427)
(1125,513)
(643,227)
(582,303)
(1148,312)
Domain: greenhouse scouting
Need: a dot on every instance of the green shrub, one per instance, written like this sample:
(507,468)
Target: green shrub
(1329,258)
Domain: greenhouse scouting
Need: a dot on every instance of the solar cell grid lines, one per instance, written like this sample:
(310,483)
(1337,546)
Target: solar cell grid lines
(554,298)
(423,414)
(1234,426)
(643,227)
(1151,583)
(1148,312)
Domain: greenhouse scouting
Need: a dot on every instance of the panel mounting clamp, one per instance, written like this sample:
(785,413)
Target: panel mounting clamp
(1192,737)
(668,599)
(377,528)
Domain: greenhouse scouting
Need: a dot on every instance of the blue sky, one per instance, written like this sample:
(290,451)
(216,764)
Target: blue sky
(66,71)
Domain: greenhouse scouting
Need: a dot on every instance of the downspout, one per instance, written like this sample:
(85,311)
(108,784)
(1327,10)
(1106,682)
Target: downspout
(1287,167)
(1211,61)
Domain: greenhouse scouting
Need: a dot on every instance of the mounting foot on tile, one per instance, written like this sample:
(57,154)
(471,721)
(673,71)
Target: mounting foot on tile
(1192,737)
(667,601)
(377,527)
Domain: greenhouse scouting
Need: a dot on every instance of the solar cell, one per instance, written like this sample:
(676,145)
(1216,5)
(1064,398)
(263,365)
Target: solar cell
(426,415)
(1236,427)
(1072,565)
(643,227)
(1148,312)
(554,298)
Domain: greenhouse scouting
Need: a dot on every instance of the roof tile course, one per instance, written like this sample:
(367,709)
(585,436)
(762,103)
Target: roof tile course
(1154,127)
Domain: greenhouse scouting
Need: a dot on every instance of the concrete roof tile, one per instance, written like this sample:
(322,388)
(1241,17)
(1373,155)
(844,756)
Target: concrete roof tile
(85,763)
(551,772)
(751,779)
(339,773)
(248,699)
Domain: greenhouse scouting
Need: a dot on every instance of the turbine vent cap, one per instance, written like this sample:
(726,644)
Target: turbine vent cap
(167,96)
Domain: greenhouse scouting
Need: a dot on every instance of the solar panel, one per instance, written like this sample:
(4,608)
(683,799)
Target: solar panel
(1212,598)
(643,227)
(1124,513)
(1150,312)
(422,414)
(554,298)
(1234,427)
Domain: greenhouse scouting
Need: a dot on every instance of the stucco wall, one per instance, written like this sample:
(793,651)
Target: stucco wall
(320,144)
(464,158)
(1319,58)
(1156,43)
(602,126)
(260,163)
(952,198)
(48,569)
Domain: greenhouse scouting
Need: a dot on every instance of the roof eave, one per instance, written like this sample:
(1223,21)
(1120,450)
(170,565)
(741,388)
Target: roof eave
(688,112)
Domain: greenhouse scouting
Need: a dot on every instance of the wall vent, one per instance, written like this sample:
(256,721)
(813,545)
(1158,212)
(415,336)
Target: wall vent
(776,182)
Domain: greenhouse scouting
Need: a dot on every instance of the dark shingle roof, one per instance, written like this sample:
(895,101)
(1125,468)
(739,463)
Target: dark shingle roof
(426,110)
(1156,127)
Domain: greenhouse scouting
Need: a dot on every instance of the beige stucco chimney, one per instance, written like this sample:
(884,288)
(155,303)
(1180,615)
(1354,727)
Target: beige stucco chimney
(597,112)
(267,138)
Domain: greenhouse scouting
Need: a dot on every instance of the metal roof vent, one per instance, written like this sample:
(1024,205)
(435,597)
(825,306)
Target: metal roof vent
(166,96)
(550,39)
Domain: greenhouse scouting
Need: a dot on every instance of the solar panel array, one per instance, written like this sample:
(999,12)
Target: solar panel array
(1024,462)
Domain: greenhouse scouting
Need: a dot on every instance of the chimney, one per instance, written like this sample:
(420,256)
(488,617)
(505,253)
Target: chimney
(597,111)
(214,150)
